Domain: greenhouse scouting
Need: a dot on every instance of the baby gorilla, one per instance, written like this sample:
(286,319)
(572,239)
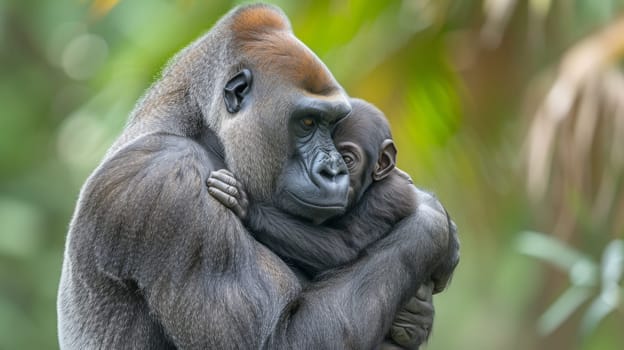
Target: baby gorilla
(380,195)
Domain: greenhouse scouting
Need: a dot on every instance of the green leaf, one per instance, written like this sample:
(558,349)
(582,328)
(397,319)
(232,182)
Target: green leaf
(562,308)
(547,248)
(609,298)
(613,263)
(604,304)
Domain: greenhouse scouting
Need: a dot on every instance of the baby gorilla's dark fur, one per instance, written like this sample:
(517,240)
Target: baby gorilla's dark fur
(380,196)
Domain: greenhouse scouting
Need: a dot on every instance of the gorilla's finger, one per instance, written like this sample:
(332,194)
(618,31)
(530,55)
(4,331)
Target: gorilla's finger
(225,176)
(417,306)
(412,324)
(243,202)
(223,186)
(227,200)
(410,337)
(406,319)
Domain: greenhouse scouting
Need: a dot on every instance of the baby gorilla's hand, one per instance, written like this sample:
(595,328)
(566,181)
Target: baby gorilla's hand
(224,187)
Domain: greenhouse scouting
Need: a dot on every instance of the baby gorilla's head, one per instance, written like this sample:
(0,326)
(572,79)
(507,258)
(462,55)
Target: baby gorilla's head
(365,142)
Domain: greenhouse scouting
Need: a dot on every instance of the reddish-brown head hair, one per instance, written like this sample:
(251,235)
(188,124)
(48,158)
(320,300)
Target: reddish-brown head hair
(263,34)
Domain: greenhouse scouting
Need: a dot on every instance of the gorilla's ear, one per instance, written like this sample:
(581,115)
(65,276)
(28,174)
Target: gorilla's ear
(236,89)
(386,161)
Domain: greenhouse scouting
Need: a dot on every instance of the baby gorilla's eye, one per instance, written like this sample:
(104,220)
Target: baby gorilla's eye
(348,160)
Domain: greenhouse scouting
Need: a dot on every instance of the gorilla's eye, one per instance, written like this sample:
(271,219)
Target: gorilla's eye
(308,122)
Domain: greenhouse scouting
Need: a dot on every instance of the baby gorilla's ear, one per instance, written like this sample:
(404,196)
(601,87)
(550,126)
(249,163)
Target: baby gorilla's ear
(386,161)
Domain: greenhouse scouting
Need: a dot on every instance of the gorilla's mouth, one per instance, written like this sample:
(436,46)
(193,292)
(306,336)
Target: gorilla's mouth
(323,206)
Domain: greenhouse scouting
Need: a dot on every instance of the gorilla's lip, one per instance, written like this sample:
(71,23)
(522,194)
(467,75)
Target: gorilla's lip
(334,206)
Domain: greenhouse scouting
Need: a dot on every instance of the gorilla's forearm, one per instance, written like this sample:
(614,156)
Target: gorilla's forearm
(318,248)
(313,248)
(389,264)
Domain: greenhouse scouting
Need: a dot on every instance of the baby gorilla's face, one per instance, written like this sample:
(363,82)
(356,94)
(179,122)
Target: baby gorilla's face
(360,168)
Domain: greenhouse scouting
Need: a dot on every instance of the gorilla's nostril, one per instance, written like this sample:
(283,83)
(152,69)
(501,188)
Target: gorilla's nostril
(328,173)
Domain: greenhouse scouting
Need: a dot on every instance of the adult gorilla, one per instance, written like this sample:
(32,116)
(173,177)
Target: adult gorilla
(153,262)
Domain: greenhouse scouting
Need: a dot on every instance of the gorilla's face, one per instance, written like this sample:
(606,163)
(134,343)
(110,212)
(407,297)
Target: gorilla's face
(283,104)
(314,182)
(288,140)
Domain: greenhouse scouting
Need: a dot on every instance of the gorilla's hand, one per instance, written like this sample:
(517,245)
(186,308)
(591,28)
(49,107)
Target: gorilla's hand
(224,187)
(412,325)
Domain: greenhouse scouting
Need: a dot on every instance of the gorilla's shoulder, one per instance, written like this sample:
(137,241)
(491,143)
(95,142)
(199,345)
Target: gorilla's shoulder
(159,170)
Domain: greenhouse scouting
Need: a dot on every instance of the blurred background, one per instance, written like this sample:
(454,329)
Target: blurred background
(511,111)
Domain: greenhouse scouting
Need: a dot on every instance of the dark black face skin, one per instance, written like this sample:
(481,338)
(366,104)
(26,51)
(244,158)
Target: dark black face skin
(360,167)
(315,182)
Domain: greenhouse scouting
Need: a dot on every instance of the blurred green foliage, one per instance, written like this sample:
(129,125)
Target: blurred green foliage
(455,94)
(585,274)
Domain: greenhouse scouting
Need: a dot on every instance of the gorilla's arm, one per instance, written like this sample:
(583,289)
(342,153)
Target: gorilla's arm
(313,248)
(147,220)
(318,248)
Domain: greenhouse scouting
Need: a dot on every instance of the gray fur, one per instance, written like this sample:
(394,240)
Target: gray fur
(153,262)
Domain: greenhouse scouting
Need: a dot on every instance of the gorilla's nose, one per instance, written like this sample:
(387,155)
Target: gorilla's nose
(331,166)
(330,173)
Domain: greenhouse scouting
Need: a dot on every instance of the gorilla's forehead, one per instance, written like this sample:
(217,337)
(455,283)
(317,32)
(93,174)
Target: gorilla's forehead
(259,18)
(263,35)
